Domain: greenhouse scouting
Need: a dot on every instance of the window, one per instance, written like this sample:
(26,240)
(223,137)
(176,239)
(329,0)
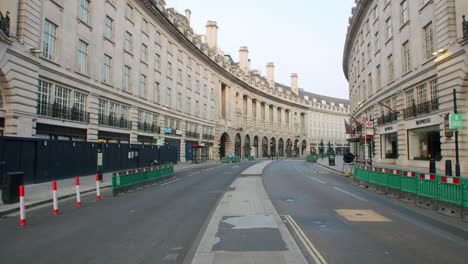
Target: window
(107,68)
(368,52)
(377,42)
(82,65)
(142,86)
(129,12)
(50,38)
(179,101)
(169,97)
(369,85)
(179,76)
(109,28)
(43,97)
(62,97)
(143,53)
(144,26)
(156,92)
(378,81)
(197,86)
(429,41)
(391,68)
(197,108)
(389,28)
(79,102)
(189,105)
(189,82)
(409,98)
(157,62)
(158,38)
(169,69)
(126,78)
(169,48)
(421,94)
(406,57)
(128,42)
(434,91)
(376,12)
(102,110)
(84,11)
(404,12)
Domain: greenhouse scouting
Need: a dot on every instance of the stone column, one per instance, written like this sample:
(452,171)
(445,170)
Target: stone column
(133,117)
(92,103)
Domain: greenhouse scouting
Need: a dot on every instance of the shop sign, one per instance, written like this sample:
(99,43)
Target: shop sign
(167,130)
(455,121)
(424,122)
(388,129)
(178,132)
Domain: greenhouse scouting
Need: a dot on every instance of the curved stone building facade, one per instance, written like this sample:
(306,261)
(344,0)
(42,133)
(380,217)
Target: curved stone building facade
(134,71)
(404,60)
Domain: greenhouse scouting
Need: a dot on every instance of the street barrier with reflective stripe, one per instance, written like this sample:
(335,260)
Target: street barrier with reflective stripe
(428,185)
(451,190)
(128,179)
(409,182)
(394,179)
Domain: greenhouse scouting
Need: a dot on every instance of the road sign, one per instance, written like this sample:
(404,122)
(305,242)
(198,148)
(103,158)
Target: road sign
(370,124)
(455,121)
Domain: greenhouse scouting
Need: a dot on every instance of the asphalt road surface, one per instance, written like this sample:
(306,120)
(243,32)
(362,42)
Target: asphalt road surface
(157,224)
(347,224)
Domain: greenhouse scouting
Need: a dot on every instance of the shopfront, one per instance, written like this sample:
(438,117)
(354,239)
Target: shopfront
(189,149)
(424,138)
(174,143)
(389,142)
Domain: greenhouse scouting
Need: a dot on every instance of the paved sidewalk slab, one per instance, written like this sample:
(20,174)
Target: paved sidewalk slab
(256,170)
(245,228)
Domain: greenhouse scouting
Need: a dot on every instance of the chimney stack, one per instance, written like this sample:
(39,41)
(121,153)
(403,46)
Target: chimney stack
(187,14)
(270,73)
(212,34)
(294,85)
(244,59)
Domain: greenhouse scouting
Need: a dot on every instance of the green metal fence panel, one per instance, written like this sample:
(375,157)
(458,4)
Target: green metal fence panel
(409,182)
(394,179)
(382,177)
(373,175)
(365,173)
(428,185)
(465,192)
(357,172)
(451,190)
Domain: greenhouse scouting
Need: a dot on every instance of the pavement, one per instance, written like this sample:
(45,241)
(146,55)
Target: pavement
(41,193)
(246,228)
(339,166)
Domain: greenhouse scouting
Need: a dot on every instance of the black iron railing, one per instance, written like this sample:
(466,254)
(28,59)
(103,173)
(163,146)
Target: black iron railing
(5,23)
(208,137)
(113,121)
(192,134)
(65,113)
(422,108)
(388,118)
(465,28)
(146,127)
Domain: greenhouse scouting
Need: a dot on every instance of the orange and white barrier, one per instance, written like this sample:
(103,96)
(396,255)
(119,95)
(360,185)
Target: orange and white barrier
(409,174)
(450,180)
(22,206)
(98,190)
(429,177)
(77,186)
(54,197)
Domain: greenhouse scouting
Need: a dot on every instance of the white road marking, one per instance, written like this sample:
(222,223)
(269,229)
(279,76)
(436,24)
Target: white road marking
(169,182)
(305,241)
(193,174)
(312,178)
(351,194)
(235,167)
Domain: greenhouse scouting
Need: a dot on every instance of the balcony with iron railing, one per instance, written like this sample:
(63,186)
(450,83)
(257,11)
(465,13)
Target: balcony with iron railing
(113,121)
(64,113)
(422,108)
(192,134)
(207,137)
(387,118)
(150,128)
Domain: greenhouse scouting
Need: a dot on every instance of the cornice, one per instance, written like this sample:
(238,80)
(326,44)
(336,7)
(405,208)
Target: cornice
(358,15)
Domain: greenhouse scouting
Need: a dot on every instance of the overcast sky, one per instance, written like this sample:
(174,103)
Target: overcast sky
(302,36)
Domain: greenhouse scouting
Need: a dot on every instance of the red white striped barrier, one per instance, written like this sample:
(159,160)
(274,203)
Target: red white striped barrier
(54,197)
(451,180)
(395,172)
(77,186)
(22,207)
(366,168)
(409,174)
(383,170)
(374,169)
(430,177)
(98,190)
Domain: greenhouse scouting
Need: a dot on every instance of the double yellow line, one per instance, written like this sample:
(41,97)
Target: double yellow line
(305,241)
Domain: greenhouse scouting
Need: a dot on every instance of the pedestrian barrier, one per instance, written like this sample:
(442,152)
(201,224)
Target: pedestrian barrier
(129,179)
(230,160)
(311,158)
(452,190)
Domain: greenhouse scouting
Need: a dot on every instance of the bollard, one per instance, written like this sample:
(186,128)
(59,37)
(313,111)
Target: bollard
(432,166)
(98,190)
(77,186)
(22,207)
(448,168)
(54,197)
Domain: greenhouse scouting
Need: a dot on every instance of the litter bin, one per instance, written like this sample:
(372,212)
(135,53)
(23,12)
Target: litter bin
(331,160)
(10,186)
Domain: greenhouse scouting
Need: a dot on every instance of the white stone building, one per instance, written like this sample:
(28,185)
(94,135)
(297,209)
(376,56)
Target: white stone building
(133,71)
